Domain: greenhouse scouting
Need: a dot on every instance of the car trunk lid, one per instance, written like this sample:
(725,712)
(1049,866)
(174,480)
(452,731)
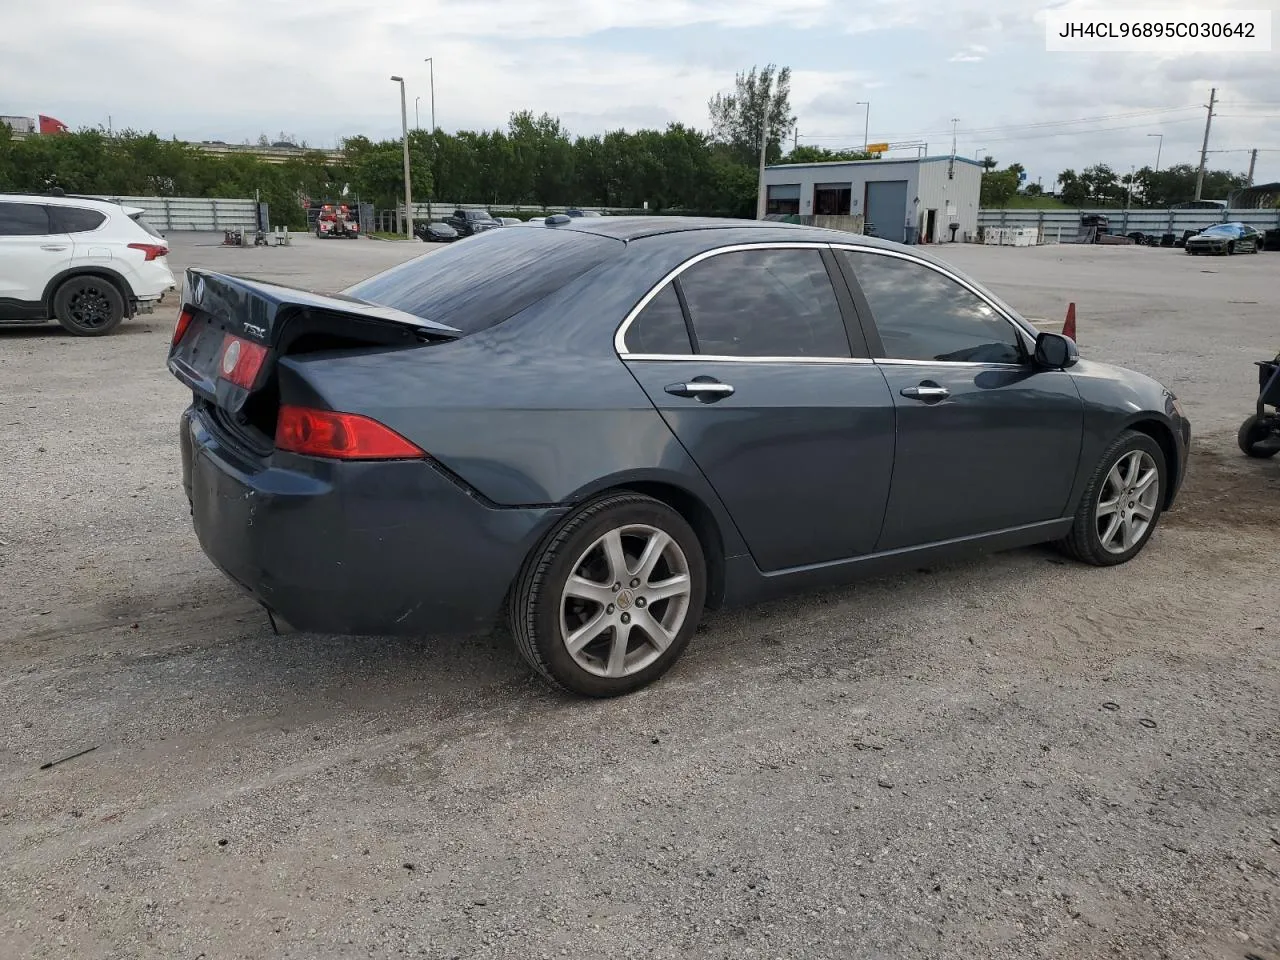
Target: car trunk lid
(232,331)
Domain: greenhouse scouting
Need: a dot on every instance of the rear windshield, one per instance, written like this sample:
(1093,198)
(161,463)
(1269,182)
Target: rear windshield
(137,218)
(488,278)
(478,215)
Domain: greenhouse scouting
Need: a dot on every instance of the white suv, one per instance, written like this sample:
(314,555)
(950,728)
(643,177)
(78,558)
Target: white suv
(86,263)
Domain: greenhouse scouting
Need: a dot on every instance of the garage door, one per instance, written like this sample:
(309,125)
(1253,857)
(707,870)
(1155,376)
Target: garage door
(887,208)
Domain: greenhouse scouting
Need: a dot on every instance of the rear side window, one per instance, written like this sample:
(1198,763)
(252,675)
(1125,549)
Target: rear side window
(765,303)
(137,218)
(75,219)
(493,276)
(24,220)
(660,327)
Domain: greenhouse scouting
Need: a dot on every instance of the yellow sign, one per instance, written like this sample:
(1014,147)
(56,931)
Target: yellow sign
(877,147)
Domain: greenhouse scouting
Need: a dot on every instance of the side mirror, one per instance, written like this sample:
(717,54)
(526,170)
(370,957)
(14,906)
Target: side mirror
(1055,351)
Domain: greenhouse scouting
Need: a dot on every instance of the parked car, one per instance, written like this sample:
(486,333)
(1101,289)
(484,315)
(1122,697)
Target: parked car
(470,222)
(573,212)
(1226,239)
(88,264)
(435,232)
(509,221)
(599,428)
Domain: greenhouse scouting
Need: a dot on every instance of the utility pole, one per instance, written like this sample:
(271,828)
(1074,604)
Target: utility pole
(1159,147)
(951,164)
(1204,147)
(1253,159)
(764,143)
(431,66)
(866,122)
(795,139)
(404,128)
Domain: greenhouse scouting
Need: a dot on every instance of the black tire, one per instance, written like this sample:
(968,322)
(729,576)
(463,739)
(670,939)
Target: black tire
(1231,248)
(88,306)
(1252,432)
(1084,542)
(536,607)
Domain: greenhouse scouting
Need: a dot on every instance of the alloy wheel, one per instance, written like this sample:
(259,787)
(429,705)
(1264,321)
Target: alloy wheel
(625,601)
(90,307)
(1127,502)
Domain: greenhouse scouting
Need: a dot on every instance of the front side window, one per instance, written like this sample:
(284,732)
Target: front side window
(765,303)
(925,315)
(24,220)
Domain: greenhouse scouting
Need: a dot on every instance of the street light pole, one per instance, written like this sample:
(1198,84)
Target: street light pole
(866,124)
(978,151)
(416,124)
(1159,147)
(432,68)
(404,129)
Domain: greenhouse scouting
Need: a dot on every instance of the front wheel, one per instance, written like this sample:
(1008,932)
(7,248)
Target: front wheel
(88,306)
(609,603)
(1252,434)
(1121,505)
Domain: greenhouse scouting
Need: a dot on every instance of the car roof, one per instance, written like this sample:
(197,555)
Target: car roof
(627,228)
(70,200)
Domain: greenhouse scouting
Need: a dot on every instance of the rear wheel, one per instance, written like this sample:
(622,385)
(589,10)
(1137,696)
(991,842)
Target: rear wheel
(88,306)
(610,602)
(1231,248)
(1253,433)
(1122,503)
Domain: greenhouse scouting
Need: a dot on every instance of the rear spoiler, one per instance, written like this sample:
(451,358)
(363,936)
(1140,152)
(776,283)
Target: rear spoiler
(257,309)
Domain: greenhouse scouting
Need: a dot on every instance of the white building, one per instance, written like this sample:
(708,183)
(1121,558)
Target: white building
(912,201)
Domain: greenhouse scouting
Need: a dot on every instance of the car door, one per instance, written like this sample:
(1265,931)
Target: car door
(458,221)
(747,356)
(985,440)
(88,245)
(31,255)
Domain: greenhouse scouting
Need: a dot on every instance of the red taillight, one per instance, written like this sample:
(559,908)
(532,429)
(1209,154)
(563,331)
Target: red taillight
(150,250)
(340,436)
(240,361)
(180,329)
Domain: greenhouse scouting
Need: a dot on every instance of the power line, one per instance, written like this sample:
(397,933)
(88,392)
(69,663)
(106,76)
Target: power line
(1038,125)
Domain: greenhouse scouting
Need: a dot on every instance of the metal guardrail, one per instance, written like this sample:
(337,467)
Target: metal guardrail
(1126,221)
(206,214)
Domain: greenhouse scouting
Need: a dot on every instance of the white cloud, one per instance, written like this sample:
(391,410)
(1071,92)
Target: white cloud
(320,69)
(972,53)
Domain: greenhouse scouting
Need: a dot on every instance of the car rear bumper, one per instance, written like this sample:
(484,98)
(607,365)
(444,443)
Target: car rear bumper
(395,547)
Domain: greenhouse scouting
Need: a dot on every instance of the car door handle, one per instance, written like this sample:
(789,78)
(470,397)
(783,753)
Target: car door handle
(926,393)
(53,247)
(707,390)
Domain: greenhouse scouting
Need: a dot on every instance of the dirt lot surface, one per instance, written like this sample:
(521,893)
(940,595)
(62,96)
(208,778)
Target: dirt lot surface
(1017,757)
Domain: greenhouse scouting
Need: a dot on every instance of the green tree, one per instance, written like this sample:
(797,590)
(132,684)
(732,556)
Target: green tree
(998,186)
(761,101)
(810,154)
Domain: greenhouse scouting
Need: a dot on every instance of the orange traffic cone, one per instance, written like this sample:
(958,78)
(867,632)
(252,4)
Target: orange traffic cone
(1069,328)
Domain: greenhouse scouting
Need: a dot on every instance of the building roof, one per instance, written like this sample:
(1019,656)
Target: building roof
(878,163)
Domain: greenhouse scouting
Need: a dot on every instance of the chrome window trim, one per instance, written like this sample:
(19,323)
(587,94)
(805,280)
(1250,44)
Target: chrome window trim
(620,343)
(1025,335)
(620,337)
(715,358)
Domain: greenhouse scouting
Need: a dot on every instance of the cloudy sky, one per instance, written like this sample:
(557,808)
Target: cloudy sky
(319,69)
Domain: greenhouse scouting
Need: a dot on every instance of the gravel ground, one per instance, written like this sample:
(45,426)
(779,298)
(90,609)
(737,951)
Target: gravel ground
(1017,757)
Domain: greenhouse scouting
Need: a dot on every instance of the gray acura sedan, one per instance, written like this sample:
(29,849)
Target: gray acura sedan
(600,427)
